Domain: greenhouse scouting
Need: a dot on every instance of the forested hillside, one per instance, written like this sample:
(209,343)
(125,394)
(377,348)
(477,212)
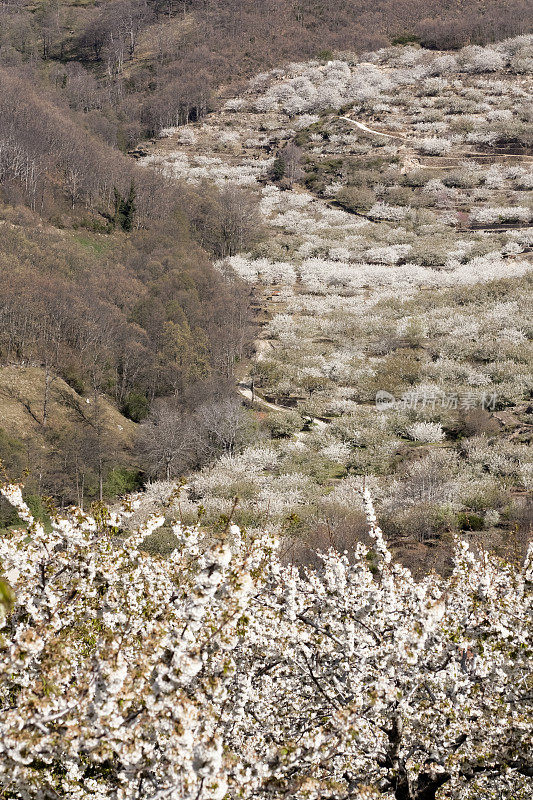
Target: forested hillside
(123,320)
(109,287)
(110,283)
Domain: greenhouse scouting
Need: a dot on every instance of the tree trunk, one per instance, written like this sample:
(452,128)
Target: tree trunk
(47,383)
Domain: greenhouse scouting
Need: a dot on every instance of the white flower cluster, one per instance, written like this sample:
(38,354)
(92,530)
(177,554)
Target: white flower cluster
(308,88)
(430,432)
(195,169)
(218,674)
(489,216)
(383,211)
(434,146)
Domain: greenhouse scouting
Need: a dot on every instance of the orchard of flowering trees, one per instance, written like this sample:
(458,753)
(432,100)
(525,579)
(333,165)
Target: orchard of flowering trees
(222,673)
(397,260)
(226,670)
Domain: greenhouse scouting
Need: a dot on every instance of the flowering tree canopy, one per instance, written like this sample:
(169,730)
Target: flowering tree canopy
(221,673)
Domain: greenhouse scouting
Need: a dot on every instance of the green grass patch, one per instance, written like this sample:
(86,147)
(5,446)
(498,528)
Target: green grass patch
(96,246)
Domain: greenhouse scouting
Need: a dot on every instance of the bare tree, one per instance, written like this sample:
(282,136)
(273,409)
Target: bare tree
(228,221)
(165,441)
(173,439)
(218,427)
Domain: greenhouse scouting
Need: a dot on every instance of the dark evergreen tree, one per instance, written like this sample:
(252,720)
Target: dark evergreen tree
(125,208)
(278,169)
(128,209)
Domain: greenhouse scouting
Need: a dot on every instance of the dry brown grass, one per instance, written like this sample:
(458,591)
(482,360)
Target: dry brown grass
(22,390)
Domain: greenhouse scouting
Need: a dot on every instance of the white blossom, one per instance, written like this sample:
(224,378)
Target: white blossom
(221,672)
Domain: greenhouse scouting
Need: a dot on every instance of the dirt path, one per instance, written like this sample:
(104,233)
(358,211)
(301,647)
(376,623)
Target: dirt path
(473,154)
(370,130)
(262,348)
(245,392)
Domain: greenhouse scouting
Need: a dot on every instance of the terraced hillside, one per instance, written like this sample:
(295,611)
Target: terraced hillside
(394,290)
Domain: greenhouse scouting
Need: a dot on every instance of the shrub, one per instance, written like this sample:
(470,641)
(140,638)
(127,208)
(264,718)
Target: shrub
(405,38)
(430,432)
(267,372)
(121,481)
(481,59)
(434,146)
(281,425)
(430,252)
(398,370)
(162,542)
(468,521)
(136,406)
(355,199)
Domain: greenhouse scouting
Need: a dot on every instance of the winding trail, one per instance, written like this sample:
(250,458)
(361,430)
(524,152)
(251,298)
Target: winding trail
(254,398)
(473,154)
(370,130)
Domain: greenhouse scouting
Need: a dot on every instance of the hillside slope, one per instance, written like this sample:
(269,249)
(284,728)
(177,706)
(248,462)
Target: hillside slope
(76,447)
(395,288)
